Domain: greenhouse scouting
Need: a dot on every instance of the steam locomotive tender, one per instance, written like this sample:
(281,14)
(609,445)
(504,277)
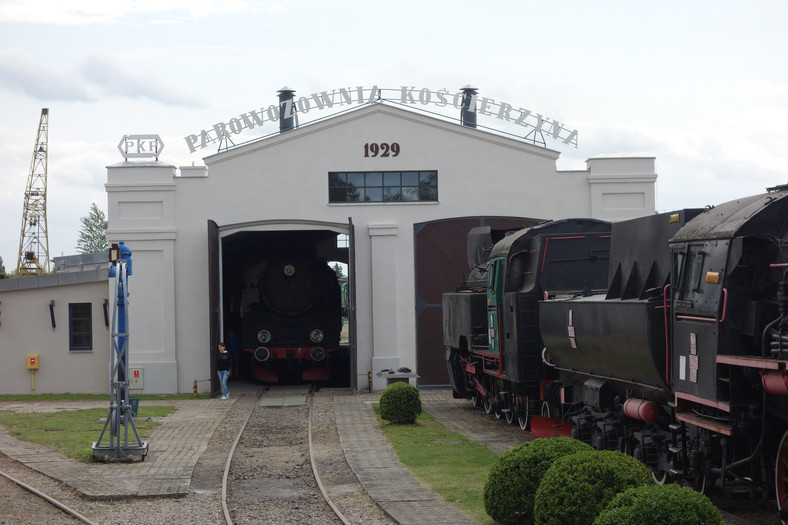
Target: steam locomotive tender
(682,362)
(293,321)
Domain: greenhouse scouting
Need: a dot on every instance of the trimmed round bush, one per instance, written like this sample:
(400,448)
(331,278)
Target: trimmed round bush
(664,504)
(576,488)
(400,403)
(511,485)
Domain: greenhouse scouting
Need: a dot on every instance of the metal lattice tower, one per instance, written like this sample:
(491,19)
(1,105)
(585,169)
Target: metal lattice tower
(34,240)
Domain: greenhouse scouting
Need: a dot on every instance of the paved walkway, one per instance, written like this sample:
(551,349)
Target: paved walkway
(175,447)
(402,496)
(180,440)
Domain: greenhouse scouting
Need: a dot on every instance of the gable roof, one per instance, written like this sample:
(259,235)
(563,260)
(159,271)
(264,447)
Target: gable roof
(378,108)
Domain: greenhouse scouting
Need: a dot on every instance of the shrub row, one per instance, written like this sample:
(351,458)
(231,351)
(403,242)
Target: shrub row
(553,481)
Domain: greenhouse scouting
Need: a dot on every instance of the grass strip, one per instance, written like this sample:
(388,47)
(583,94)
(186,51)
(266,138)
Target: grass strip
(447,462)
(73,431)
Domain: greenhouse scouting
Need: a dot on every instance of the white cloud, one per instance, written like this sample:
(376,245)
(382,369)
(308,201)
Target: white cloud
(96,76)
(116,81)
(22,73)
(90,12)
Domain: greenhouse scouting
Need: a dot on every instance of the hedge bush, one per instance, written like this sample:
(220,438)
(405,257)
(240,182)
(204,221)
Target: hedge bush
(511,485)
(400,403)
(663,504)
(576,488)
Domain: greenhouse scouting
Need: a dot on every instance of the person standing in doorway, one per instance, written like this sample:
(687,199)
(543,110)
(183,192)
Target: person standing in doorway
(223,365)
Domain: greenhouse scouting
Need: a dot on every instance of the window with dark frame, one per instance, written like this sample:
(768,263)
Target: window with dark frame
(80,326)
(382,186)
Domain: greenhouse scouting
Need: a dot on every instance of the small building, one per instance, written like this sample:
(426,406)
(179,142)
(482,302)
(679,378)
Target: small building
(64,319)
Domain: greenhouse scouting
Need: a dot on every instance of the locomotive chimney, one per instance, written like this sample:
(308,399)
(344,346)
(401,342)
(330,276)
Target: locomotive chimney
(286,109)
(468,115)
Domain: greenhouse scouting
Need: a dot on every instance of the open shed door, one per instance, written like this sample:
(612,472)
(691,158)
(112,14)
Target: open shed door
(213,299)
(441,264)
(351,310)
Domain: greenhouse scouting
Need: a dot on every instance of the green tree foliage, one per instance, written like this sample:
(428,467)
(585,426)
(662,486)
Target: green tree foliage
(92,238)
(338,270)
(2,267)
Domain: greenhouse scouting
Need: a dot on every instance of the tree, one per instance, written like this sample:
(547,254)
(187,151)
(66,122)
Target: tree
(338,270)
(92,238)
(2,267)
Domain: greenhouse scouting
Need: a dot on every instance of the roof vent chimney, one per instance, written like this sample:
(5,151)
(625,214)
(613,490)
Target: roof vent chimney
(468,115)
(287,118)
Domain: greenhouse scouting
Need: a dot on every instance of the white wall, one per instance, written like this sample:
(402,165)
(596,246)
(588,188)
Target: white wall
(26,329)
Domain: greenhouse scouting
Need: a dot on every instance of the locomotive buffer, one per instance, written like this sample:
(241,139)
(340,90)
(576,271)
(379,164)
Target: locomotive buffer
(121,414)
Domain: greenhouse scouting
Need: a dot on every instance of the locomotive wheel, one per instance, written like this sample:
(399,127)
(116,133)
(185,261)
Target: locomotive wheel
(545,409)
(510,416)
(476,400)
(699,483)
(488,404)
(660,476)
(781,473)
(522,412)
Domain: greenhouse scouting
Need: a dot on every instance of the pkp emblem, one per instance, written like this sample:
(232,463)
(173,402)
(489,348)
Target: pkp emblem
(140,146)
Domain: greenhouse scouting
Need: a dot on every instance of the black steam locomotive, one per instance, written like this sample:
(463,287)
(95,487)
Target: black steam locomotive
(292,318)
(678,354)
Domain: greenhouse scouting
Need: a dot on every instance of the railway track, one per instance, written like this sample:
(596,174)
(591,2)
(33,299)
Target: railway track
(14,490)
(273,470)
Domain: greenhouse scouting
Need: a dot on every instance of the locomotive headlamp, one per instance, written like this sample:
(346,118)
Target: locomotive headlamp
(262,353)
(316,336)
(318,354)
(264,336)
(289,270)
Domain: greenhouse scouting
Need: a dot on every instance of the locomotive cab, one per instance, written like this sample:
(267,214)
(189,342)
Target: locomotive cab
(492,338)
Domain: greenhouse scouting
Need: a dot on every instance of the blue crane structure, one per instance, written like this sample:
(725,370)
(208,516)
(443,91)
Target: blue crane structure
(121,412)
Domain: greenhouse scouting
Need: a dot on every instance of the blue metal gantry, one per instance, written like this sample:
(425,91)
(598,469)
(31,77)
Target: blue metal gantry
(121,414)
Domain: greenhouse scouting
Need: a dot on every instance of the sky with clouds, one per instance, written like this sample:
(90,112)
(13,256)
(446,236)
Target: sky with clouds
(699,85)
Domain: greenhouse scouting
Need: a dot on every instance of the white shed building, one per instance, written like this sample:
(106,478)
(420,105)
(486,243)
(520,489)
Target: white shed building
(403,241)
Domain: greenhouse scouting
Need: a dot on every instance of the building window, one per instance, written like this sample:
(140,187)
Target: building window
(80,326)
(383,186)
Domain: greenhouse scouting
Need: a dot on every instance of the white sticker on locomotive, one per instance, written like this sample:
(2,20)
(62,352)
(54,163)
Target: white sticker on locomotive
(570,317)
(571,331)
(682,367)
(573,342)
(693,344)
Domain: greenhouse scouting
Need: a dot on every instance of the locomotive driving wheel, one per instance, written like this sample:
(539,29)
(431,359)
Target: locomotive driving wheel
(488,404)
(522,411)
(545,409)
(660,476)
(476,400)
(781,473)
